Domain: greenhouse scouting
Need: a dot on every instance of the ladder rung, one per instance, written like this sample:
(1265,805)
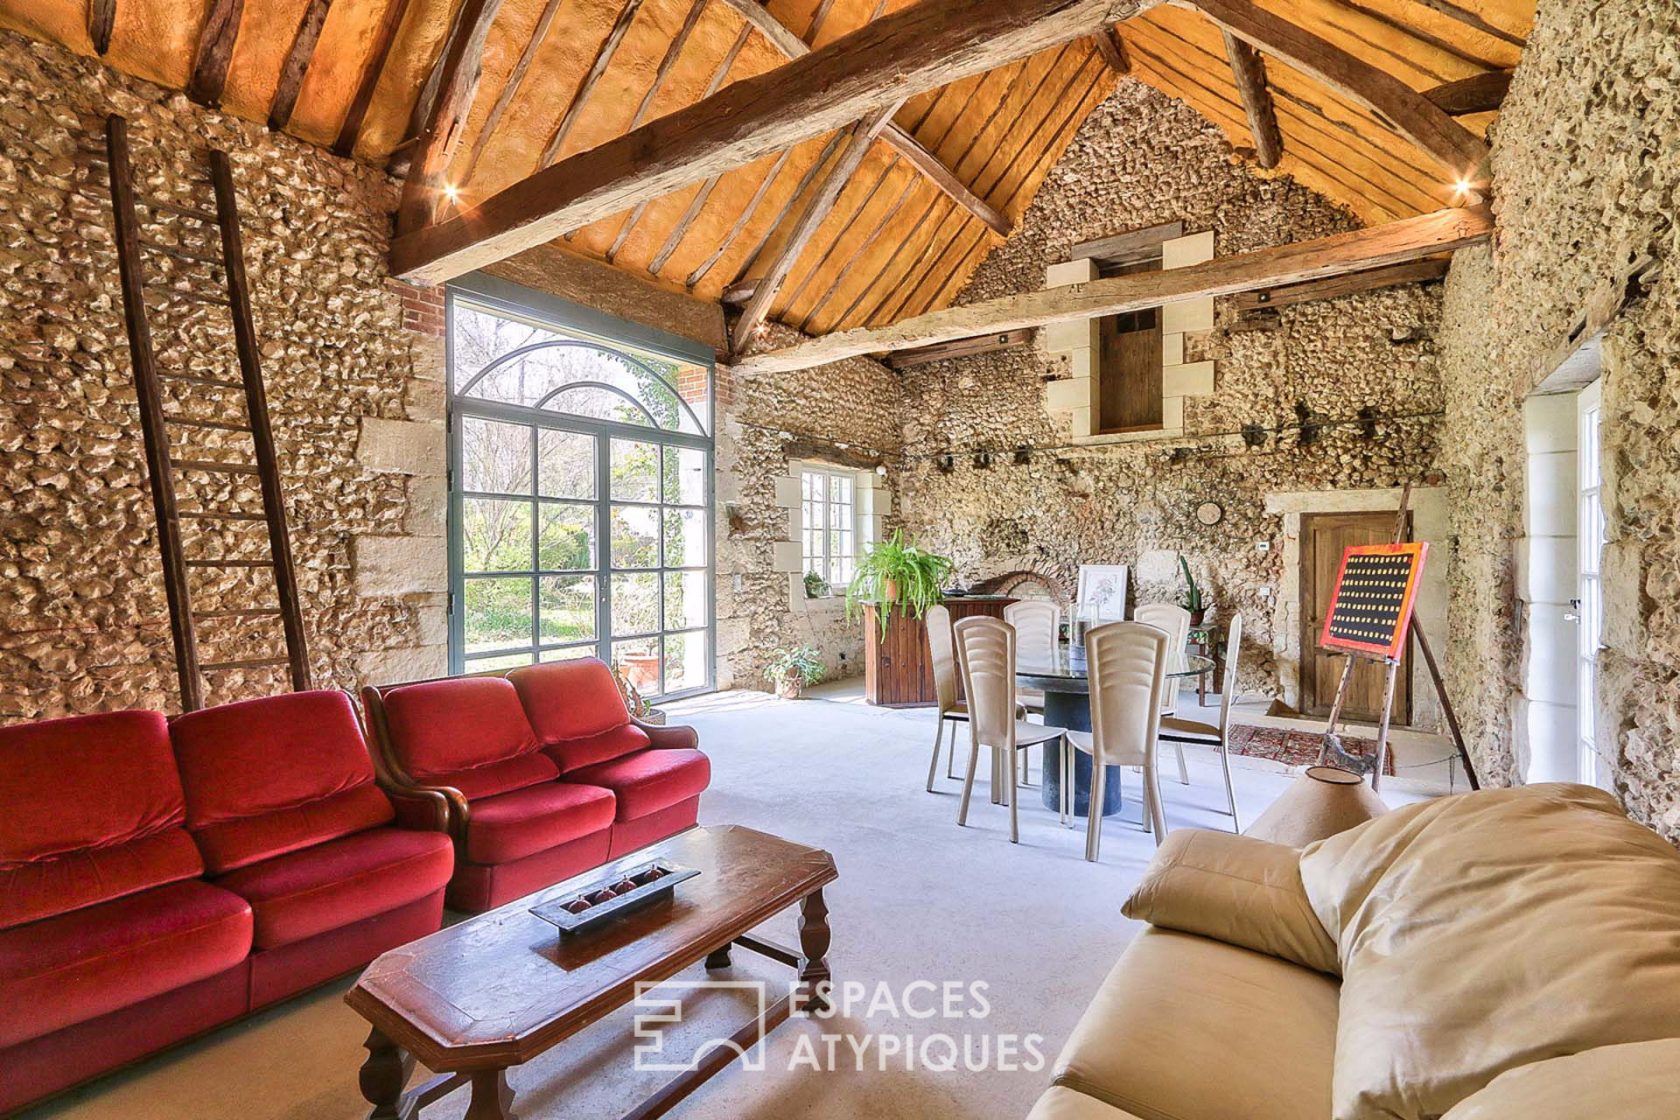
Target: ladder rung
(229,563)
(211,515)
(214,425)
(183,254)
(185,211)
(197,380)
(186,293)
(207,465)
(253,663)
(267,612)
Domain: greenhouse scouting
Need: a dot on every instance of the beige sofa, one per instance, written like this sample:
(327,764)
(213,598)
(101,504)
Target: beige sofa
(1505,955)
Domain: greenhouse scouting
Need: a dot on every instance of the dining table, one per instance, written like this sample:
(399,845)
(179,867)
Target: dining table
(1066,684)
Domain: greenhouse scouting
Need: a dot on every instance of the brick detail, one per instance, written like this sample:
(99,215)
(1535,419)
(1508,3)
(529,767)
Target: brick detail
(422,308)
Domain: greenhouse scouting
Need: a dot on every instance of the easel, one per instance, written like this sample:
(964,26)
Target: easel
(1332,743)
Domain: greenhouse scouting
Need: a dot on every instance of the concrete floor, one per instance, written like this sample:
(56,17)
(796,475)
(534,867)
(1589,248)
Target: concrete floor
(918,900)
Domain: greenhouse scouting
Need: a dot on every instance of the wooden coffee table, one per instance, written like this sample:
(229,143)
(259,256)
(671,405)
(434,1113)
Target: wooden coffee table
(497,990)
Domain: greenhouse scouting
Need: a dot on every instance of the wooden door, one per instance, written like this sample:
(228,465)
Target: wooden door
(1324,537)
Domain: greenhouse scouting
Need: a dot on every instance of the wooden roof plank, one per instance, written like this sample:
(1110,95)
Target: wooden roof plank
(102,17)
(510,88)
(424,189)
(1358,250)
(215,51)
(296,66)
(1249,69)
(580,98)
(384,36)
(1484,93)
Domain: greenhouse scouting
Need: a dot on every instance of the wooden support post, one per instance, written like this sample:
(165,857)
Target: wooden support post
(1446,702)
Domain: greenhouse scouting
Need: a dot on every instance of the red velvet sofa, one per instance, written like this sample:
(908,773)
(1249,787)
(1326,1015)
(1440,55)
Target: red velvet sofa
(157,880)
(545,772)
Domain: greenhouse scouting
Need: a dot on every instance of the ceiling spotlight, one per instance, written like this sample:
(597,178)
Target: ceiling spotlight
(452,192)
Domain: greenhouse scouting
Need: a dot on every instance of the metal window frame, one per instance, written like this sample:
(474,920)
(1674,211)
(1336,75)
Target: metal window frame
(551,313)
(828,503)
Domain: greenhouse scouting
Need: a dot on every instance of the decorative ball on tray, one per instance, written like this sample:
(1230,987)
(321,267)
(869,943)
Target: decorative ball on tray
(618,891)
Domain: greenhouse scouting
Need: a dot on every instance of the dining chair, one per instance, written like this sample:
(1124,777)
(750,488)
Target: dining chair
(986,653)
(1036,622)
(952,709)
(1127,662)
(1175,620)
(1180,731)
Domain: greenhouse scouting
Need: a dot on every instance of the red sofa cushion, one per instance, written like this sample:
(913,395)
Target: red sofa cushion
(570,700)
(90,810)
(648,781)
(77,966)
(270,776)
(445,727)
(572,755)
(342,881)
(515,825)
(498,777)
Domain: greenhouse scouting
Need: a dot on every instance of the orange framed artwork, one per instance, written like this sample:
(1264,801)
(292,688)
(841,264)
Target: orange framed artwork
(1371,610)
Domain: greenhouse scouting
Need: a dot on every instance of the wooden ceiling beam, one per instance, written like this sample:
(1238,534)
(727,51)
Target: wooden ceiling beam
(603,59)
(296,66)
(510,87)
(929,164)
(214,52)
(815,213)
(1483,93)
(962,348)
(915,49)
(1459,152)
(1359,250)
(1470,19)
(424,189)
(102,17)
(1412,272)
(1249,70)
(351,129)
(1112,47)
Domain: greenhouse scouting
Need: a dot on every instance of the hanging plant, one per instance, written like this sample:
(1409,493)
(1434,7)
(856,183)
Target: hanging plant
(894,574)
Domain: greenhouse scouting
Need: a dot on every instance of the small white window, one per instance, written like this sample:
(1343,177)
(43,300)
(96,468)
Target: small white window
(829,516)
(1589,605)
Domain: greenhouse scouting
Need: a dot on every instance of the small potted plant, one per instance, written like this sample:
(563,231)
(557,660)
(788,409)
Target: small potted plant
(816,587)
(790,670)
(1191,599)
(897,574)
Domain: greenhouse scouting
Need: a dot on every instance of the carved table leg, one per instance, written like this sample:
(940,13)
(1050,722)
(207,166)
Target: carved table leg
(718,959)
(813,945)
(492,1096)
(383,1076)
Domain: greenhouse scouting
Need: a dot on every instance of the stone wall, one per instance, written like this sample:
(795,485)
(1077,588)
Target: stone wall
(1587,162)
(1142,159)
(846,414)
(356,399)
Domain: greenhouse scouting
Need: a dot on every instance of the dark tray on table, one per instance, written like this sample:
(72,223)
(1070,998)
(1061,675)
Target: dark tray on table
(598,906)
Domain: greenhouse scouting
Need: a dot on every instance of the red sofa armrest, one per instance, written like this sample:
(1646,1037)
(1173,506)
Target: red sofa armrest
(422,810)
(667,738)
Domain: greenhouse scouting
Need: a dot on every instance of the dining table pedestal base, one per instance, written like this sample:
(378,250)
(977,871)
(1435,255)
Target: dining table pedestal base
(1072,710)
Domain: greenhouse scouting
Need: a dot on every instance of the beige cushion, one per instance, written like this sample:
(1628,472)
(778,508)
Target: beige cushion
(1173,725)
(1237,890)
(1637,1081)
(1187,1028)
(1058,1103)
(1492,930)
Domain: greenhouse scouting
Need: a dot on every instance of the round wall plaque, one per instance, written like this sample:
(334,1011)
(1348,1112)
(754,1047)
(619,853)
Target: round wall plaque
(1210,513)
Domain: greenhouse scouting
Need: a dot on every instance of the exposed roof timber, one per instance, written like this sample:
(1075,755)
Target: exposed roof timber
(423,191)
(917,48)
(1112,47)
(963,348)
(863,134)
(102,16)
(1483,93)
(1412,272)
(1471,19)
(603,59)
(1458,151)
(296,66)
(1374,247)
(792,46)
(215,51)
(384,36)
(510,87)
(806,182)
(1249,70)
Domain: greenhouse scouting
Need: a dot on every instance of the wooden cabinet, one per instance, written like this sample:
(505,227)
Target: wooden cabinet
(898,669)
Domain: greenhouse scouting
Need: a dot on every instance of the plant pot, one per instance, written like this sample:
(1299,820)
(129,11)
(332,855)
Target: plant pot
(1198,617)
(641,670)
(889,591)
(791,690)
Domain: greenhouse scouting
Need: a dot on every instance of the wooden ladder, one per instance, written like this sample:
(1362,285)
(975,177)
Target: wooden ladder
(178,221)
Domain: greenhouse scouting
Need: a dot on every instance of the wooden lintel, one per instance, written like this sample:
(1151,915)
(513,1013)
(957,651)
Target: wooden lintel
(386,33)
(1462,155)
(1484,93)
(214,52)
(1113,50)
(792,46)
(296,66)
(423,191)
(915,49)
(962,348)
(102,16)
(822,451)
(1412,272)
(1129,247)
(1249,71)
(1359,250)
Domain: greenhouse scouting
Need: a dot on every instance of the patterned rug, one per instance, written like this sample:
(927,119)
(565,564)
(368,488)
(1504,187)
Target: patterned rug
(1300,748)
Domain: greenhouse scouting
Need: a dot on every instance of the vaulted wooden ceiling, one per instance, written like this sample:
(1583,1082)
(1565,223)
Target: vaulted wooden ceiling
(952,172)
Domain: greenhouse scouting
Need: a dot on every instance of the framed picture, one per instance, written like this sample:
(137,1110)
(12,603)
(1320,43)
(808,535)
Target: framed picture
(1371,609)
(1103,586)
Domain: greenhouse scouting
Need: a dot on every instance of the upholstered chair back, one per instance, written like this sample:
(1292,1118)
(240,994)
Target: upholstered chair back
(469,733)
(986,653)
(578,712)
(1233,650)
(941,645)
(1036,622)
(1175,620)
(1126,661)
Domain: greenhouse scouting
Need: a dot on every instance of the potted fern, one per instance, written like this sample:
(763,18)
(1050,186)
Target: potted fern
(897,574)
(790,670)
(1191,598)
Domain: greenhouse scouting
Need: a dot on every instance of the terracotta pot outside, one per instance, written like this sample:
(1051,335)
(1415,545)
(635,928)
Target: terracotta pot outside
(792,690)
(889,590)
(641,670)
